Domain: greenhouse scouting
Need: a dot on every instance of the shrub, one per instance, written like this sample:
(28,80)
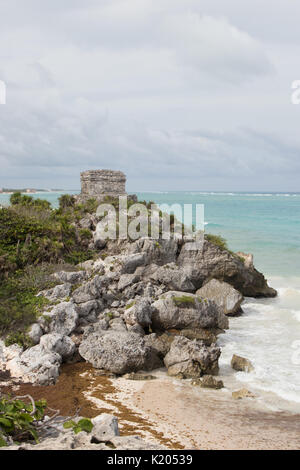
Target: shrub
(83,424)
(19,305)
(216,240)
(66,201)
(18,420)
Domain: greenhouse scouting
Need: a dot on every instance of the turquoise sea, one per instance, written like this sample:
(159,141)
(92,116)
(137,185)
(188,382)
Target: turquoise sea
(268,333)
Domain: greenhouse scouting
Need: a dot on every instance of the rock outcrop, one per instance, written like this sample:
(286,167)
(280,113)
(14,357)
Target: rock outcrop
(139,306)
(224,295)
(191,359)
(117,351)
(105,435)
(180,310)
(214,262)
(241,364)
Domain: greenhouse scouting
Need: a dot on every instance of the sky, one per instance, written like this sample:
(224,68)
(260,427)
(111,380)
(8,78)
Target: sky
(178,94)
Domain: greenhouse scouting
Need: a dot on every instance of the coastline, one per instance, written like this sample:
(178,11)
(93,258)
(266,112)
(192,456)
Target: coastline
(172,413)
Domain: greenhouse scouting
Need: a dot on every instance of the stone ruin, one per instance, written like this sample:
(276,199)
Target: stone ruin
(101,183)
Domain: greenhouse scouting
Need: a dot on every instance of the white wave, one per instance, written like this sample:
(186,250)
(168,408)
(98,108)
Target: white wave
(265,334)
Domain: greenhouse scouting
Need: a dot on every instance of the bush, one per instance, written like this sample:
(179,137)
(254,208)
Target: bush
(19,305)
(216,240)
(21,420)
(18,420)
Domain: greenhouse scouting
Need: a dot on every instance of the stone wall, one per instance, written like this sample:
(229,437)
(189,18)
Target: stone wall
(100,183)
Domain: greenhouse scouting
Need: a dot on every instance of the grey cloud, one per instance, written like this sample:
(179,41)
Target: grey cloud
(176,94)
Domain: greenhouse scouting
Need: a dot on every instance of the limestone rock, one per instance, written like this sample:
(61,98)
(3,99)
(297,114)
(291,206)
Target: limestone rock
(140,313)
(63,318)
(59,292)
(35,365)
(224,295)
(132,261)
(242,393)
(99,242)
(105,427)
(88,291)
(208,381)
(213,262)
(91,307)
(180,310)
(35,333)
(73,277)
(160,253)
(174,278)
(160,344)
(62,345)
(116,351)
(127,280)
(241,364)
(207,336)
(191,358)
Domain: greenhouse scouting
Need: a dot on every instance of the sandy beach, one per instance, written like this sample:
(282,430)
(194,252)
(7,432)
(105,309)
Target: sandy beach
(208,419)
(171,412)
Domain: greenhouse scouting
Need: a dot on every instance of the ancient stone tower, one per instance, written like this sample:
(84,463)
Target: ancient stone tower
(100,183)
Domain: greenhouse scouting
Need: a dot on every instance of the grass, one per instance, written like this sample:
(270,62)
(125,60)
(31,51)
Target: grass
(184,301)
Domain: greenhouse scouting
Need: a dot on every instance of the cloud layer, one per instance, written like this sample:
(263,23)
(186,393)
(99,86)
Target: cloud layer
(177,96)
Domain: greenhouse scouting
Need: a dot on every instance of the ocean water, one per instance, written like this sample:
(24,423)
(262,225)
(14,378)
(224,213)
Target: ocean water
(268,333)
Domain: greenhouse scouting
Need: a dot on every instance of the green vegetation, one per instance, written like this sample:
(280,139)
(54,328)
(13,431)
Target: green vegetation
(19,420)
(22,421)
(129,305)
(19,305)
(184,301)
(216,240)
(83,424)
(31,232)
(35,241)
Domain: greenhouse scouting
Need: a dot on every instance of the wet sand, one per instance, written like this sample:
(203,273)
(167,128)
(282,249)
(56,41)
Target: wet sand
(168,411)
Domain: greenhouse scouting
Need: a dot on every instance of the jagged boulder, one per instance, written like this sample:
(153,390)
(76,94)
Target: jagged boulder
(180,310)
(173,278)
(191,359)
(105,427)
(88,311)
(89,290)
(208,381)
(153,251)
(160,344)
(62,345)
(62,291)
(241,364)
(73,277)
(36,365)
(224,295)
(242,393)
(127,280)
(215,262)
(35,333)
(61,319)
(139,313)
(133,261)
(116,351)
